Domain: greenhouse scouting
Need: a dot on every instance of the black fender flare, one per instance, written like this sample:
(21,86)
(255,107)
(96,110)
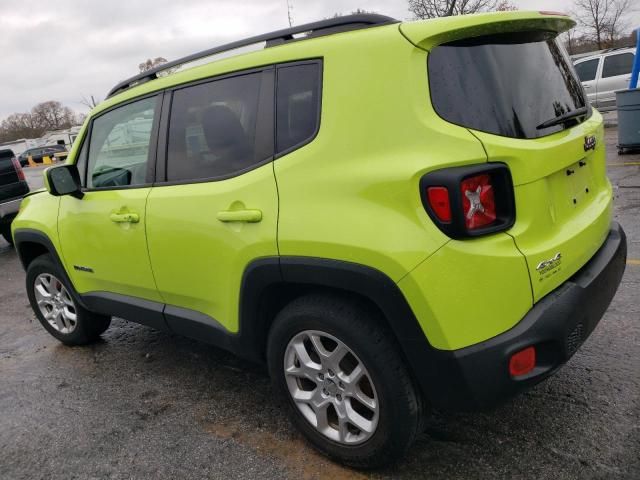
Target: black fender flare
(364,281)
(23,237)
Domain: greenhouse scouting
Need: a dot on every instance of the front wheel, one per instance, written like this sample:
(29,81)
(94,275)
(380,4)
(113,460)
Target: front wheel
(348,388)
(58,312)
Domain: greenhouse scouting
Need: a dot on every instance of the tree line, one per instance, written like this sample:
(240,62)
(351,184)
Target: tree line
(45,116)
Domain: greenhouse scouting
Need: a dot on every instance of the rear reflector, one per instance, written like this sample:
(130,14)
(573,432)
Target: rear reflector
(522,362)
(478,201)
(18,168)
(439,201)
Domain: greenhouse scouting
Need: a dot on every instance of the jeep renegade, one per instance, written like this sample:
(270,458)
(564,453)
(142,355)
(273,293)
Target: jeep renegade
(392,216)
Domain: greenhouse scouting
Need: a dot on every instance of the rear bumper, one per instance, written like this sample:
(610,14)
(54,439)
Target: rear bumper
(477,377)
(10,198)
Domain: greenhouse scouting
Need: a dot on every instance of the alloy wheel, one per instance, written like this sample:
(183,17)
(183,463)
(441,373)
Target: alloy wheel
(331,387)
(55,303)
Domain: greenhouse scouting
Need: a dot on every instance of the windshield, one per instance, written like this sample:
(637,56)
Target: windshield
(506,84)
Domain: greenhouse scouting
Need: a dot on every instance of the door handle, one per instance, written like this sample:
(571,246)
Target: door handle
(124,217)
(248,216)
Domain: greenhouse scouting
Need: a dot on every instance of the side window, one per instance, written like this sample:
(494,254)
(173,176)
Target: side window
(119,145)
(215,129)
(617,65)
(587,70)
(297,105)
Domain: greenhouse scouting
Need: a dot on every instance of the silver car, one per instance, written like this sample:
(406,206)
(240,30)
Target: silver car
(603,73)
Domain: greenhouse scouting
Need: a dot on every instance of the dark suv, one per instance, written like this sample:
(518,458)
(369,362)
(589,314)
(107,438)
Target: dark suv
(13,187)
(38,153)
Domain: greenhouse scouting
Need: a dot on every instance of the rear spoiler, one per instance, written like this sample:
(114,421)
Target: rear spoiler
(426,34)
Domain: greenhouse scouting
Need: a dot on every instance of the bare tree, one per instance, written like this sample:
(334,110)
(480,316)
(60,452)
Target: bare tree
(148,64)
(570,40)
(51,115)
(602,19)
(90,102)
(446,8)
(505,6)
(617,22)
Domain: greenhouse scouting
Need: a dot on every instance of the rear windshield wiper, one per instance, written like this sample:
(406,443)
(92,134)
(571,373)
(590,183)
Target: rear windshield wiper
(578,112)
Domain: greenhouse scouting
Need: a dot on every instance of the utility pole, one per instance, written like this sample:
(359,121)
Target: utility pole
(289,16)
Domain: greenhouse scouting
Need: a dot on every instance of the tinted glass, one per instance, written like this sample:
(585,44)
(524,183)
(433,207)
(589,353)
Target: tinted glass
(587,70)
(212,129)
(504,84)
(119,146)
(298,104)
(617,65)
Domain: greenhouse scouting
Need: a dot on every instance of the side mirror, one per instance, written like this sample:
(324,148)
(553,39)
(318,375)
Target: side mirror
(63,180)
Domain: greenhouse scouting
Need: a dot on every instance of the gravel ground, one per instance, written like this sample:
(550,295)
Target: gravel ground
(145,404)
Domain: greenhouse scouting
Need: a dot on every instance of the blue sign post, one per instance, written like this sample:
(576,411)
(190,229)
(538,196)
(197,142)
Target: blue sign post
(636,63)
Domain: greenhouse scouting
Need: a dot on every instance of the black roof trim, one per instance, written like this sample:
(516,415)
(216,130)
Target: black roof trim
(315,29)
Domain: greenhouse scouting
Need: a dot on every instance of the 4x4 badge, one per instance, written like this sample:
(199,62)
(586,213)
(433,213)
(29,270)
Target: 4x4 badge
(589,143)
(546,265)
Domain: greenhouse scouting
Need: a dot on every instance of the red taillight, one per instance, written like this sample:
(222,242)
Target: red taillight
(469,201)
(522,362)
(478,201)
(18,168)
(439,201)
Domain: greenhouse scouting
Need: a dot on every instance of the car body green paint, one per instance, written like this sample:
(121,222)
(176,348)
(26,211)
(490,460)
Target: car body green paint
(351,194)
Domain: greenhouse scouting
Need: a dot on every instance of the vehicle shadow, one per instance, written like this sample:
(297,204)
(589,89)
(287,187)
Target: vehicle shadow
(232,400)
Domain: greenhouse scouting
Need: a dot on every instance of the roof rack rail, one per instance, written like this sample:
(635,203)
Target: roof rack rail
(314,29)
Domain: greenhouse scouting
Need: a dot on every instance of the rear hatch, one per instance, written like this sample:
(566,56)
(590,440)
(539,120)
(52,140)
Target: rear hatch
(508,81)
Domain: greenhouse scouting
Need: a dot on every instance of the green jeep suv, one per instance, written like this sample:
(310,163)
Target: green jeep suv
(392,216)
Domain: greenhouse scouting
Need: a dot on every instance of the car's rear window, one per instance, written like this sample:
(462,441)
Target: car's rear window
(505,84)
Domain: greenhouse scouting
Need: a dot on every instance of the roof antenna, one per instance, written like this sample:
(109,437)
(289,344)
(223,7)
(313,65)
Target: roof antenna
(289,16)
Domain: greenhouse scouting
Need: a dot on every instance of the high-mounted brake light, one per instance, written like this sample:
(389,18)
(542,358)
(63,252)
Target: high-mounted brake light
(550,12)
(478,201)
(439,201)
(18,168)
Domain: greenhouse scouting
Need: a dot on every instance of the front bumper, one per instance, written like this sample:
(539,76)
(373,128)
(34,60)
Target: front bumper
(477,377)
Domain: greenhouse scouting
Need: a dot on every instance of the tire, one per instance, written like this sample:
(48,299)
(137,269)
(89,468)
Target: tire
(5,231)
(68,321)
(338,321)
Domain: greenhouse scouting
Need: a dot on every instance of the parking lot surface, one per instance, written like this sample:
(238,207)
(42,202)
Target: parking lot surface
(146,404)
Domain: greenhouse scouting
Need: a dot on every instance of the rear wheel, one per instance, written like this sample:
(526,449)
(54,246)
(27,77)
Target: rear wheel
(58,312)
(348,388)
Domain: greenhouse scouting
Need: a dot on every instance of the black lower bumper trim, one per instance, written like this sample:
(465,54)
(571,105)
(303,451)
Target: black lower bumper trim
(477,377)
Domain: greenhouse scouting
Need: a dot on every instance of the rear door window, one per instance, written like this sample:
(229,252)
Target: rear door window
(216,129)
(298,105)
(615,65)
(587,70)
(505,84)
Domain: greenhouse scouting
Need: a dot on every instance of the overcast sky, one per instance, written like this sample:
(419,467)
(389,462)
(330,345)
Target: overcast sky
(66,49)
